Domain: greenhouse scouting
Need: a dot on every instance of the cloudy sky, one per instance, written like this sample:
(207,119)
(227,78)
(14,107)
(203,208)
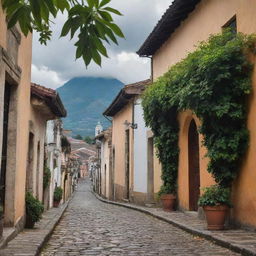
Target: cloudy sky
(55,64)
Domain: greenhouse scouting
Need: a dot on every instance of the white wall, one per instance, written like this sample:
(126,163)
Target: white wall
(140,150)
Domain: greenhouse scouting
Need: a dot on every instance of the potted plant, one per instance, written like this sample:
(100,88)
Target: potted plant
(216,203)
(167,196)
(1,221)
(34,210)
(57,196)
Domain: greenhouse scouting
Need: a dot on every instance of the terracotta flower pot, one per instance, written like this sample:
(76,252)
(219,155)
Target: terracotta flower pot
(29,222)
(56,204)
(168,201)
(215,216)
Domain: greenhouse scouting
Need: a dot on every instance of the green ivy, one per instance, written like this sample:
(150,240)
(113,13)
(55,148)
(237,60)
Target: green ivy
(214,82)
(47,177)
(215,195)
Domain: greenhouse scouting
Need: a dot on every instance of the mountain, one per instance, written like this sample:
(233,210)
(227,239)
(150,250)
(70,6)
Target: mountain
(85,99)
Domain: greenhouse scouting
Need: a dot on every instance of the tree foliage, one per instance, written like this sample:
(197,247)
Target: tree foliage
(213,82)
(89,140)
(91,20)
(78,137)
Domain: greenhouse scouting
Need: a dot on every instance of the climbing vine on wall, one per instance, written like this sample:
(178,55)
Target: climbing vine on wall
(214,82)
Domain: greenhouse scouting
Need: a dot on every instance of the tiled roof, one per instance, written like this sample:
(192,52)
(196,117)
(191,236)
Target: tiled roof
(170,21)
(50,97)
(129,91)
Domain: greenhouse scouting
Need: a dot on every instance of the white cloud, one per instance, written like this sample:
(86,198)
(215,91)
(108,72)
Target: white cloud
(55,63)
(46,77)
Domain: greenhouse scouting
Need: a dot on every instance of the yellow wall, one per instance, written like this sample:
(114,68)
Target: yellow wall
(206,179)
(39,131)
(118,142)
(15,208)
(208,18)
(24,61)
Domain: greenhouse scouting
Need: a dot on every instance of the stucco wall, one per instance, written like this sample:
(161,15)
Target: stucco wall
(18,134)
(118,142)
(208,18)
(105,154)
(140,150)
(39,131)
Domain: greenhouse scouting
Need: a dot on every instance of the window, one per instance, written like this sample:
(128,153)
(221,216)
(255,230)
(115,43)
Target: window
(231,24)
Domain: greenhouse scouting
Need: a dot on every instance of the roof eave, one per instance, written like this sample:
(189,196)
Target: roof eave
(170,21)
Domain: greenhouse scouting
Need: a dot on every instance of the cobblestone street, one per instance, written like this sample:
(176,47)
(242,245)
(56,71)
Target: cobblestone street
(90,227)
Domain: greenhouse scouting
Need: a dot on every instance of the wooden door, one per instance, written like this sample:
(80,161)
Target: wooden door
(127,163)
(194,168)
(150,183)
(7,96)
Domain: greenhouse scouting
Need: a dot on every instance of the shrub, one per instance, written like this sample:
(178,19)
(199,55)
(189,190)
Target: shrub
(214,82)
(215,195)
(47,177)
(34,208)
(1,211)
(167,189)
(57,194)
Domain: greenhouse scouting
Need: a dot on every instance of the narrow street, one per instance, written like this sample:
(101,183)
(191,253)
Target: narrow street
(90,227)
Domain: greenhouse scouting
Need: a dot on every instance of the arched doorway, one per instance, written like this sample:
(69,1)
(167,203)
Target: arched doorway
(194,168)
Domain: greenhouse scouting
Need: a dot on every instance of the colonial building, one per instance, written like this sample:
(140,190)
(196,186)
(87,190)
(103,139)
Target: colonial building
(15,75)
(53,158)
(105,163)
(98,129)
(129,164)
(180,29)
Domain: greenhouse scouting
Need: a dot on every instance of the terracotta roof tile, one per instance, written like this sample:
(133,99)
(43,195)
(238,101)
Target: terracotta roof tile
(50,97)
(170,21)
(129,91)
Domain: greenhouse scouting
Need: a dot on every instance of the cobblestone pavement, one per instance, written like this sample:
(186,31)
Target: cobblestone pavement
(90,227)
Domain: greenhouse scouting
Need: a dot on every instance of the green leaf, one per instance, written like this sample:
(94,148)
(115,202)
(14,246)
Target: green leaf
(100,47)
(96,57)
(51,7)
(116,29)
(75,24)
(91,3)
(106,16)
(62,5)
(111,35)
(113,10)
(104,2)
(87,56)
(66,28)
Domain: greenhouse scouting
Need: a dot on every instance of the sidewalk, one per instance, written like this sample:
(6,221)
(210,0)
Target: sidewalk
(30,241)
(238,240)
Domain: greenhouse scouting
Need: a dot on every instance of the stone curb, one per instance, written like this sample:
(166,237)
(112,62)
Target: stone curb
(45,233)
(55,221)
(201,233)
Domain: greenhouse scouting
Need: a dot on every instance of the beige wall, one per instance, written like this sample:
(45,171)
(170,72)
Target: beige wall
(118,142)
(23,100)
(39,130)
(105,154)
(18,124)
(208,18)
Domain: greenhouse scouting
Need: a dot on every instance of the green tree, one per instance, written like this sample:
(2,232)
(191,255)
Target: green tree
(91,20)
(89,140)
(78,137)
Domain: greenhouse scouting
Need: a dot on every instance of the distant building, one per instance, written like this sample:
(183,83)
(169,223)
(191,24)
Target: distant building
(98,129)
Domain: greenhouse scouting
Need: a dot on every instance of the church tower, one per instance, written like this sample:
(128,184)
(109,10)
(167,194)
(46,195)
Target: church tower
(98,129)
